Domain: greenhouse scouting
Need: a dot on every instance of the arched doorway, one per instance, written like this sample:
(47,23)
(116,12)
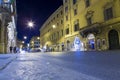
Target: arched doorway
(113,40)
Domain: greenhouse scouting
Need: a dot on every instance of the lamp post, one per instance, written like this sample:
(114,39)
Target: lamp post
(25,37)
(38,38)
(53,26)
(30,24)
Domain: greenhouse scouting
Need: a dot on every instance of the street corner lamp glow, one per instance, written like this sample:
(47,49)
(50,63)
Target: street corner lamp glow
(30,24)
(23,42)
(54,26)
(38,38)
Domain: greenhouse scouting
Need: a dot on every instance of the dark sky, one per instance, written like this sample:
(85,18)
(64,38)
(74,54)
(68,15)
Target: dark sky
(37,11)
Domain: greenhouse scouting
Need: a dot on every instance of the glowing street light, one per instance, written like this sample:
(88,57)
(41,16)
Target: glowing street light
(30,24)
(54,26)
(23,42)
(25,37)
(38,38)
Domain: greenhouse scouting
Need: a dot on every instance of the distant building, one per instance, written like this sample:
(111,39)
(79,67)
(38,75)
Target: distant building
(95,22)
(7,25)
(35,42)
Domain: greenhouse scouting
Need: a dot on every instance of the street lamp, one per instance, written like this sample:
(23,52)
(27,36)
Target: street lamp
(30,24)
(25,37)
(54,26)
(23,42)
(38,38)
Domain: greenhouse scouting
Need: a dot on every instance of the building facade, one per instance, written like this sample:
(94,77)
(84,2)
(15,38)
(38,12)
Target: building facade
(7,25)
(93,23)
(35,42)
(99,24)
(52,31)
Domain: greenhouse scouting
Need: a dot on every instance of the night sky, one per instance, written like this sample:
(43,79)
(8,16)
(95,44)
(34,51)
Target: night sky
(37,11)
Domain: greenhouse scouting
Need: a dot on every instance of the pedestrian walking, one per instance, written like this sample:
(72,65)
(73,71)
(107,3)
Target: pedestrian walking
(11,49)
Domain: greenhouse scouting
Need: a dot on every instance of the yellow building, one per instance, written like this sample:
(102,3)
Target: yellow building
(52,31)
(71,22)
(95,22)
(98,21)
(99,24)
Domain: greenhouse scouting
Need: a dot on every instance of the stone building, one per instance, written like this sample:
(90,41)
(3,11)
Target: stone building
(52,31)
(7,25)
(94,23)
(35,42)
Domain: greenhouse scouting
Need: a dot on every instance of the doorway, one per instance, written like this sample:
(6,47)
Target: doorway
(113,40)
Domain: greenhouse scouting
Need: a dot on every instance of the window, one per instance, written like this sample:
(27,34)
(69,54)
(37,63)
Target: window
(75,11)
(76,27)
(89,20)
(108,13)
(65,1)
(54,36)
(61,12)
(57,34)
(74,1)
(54,18)
(61,21)
(62,32)
(67,31)
(57,15)
(66,9)
(57,24)
(66,18)
(87,3)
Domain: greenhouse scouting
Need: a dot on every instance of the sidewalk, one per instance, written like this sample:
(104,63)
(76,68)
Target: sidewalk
(5,59)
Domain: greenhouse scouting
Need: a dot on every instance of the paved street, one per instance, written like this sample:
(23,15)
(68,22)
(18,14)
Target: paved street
(64,66)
